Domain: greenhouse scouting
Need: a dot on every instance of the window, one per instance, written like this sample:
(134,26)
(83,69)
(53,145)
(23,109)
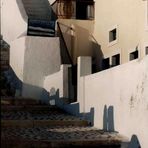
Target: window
(134,55)
(146,50)
(105,64)
(84,9)
(116,60)
(113,35)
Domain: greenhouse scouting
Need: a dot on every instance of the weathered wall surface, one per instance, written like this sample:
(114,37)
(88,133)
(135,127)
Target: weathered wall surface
(77,34)
(57,82)
(33,58)
(17,52)
(42,58)
(123,90)
(13,20)
(130,19)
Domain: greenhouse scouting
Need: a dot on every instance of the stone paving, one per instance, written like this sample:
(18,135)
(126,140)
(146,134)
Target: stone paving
(62,133)
(37,115)
(62,137)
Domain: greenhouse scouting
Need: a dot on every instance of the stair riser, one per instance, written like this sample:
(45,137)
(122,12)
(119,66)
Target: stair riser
(19,101)
(58,144)
(41,123)
(24,108)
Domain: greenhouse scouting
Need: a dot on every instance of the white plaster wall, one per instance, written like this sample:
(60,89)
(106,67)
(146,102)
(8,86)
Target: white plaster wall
(124,87)
(51,1)
(13,20)
(57,84)
(55,81)
(42,58)
(17,52)
(32,59)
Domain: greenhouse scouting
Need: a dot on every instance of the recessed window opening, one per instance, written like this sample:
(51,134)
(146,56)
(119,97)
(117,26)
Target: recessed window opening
(84,9)
(105,64)
(116,60)
(113,35)
(134,55)
(146,50)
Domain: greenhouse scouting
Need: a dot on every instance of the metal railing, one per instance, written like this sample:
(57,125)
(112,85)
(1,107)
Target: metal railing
(66,9)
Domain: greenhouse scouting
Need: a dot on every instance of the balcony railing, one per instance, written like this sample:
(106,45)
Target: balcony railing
(76,9)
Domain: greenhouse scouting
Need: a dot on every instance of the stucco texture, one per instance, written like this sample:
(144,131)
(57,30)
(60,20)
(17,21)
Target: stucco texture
(124,90)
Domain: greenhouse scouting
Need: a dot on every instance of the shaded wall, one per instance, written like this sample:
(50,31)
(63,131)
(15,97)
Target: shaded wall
(13,20)
(78,37)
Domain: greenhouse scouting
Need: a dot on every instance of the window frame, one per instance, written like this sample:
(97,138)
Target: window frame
(111,43)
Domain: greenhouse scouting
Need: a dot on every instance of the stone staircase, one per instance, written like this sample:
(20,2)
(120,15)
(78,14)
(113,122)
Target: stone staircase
(29,123)
(37,9)
(41,18)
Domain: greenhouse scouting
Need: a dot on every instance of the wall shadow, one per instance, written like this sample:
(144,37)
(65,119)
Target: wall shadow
(22,10)
(12,82)
(74,108)
(17,88)
(134,143)
(82,43)
(97,57)
(108,119)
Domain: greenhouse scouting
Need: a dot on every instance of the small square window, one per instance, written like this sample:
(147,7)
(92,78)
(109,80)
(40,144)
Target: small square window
(146,50)
(113,35)
(116,60)
(105,64)
(134,55)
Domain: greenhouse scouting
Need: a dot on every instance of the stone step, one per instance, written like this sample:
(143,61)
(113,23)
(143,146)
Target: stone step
(19,101)
(61,137)
(37,9)
(41,123)
(32,116)
(34,33)
(27,108)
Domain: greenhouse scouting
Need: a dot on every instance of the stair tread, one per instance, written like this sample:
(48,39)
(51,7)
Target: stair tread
(51,127)
(37,115)
(37,8)
(64,134)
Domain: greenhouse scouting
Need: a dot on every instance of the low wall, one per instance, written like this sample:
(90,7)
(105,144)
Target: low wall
(119,97)
(57,84)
